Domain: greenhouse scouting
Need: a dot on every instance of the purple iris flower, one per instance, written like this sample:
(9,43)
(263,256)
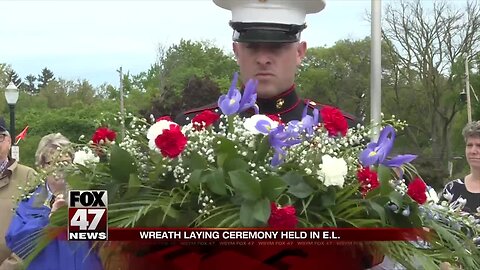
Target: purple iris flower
(279,139)
(307,123)
(233,102)
(249,96)
(377,152)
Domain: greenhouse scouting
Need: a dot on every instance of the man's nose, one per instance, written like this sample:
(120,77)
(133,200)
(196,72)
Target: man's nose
(263,57)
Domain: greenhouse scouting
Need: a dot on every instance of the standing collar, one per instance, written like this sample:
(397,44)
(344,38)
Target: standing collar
(279,104)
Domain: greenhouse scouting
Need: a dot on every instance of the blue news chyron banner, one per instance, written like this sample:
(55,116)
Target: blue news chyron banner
(177,235)
(87,215)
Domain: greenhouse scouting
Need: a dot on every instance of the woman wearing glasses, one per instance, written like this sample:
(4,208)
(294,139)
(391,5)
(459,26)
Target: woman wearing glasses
(33,215)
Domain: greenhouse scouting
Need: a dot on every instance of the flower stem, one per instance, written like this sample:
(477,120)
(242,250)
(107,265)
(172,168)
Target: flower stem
(230,124)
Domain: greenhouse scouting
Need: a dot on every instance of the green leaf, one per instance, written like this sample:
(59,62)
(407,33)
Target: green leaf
(301,190)
(122,164)
(297,185)
(384,173)
(328,198)
(134,185)
(225,146)
(292,178)
(261,210)
(396,198)
(272,187)
(197,162)
(244,184)
(196,179)
(233,164)
(216,182)
(246,217)
(380,210)
(263,148)
(77,181)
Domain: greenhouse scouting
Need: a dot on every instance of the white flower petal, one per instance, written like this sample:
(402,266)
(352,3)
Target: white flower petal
(250,123)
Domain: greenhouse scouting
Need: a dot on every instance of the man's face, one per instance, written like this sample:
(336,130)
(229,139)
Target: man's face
(5,143)
(273,64)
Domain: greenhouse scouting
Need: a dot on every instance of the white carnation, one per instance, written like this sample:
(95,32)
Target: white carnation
(250,123)
(85,157)
(156,130)
(333,170)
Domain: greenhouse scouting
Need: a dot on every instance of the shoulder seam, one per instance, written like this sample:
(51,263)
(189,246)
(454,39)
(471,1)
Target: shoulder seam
(346,115)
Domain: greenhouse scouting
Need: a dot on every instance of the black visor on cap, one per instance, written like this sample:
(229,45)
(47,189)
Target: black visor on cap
(266,32)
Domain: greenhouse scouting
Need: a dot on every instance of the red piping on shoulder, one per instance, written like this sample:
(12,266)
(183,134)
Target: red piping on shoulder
(349,116)
(209,107)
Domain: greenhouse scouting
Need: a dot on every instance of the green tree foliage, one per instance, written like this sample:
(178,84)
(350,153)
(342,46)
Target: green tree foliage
(182,61)
(426,46)
(29,85)
(45,77)
(5,70)
(13,77)
(338,75)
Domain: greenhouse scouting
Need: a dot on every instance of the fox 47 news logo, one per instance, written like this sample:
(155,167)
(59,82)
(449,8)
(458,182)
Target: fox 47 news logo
(87,215)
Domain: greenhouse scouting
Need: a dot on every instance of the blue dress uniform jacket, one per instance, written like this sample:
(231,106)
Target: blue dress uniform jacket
(29,220)
(287,106)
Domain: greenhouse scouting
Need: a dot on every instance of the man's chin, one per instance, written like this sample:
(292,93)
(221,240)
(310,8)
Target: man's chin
(267,90)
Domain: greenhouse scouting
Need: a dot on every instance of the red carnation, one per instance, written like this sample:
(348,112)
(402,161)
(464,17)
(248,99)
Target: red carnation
(103,134)
(166,117)
(417,190)
(282,217)
(171,142)
(204,119)
(334,121)
(368,180)
(275,118)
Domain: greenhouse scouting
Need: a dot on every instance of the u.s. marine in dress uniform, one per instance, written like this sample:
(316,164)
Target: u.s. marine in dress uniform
(267,47)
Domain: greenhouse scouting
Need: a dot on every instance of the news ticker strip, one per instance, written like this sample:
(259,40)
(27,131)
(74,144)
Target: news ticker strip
(88,220)
(212,234)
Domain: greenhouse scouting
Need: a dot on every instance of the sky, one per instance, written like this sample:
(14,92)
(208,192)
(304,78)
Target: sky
(91,39)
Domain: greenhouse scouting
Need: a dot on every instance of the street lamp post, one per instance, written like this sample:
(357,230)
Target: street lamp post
(11,95)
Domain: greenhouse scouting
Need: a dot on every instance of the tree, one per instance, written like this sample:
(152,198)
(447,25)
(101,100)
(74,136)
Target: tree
(29,85)
(4,74)
(13,77)
(195,58)
(45,77)
(426,46)
(338,75)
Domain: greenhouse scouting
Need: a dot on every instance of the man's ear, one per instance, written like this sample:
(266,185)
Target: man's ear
(235,49)
(301,51)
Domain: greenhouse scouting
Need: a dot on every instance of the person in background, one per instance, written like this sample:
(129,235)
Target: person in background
(464,194)
(13,176)
(33,214)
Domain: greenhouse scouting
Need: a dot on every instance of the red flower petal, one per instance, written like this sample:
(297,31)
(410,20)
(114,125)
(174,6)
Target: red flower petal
(368,180)
(417,190)
(282,217)
(171,142)
(334,121)
(104,134)
(204,119)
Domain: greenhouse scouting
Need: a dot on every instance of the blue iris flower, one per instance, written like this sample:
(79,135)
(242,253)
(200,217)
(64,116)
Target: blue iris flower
(279,139)
(233,102)
(377,152)
(307,123)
